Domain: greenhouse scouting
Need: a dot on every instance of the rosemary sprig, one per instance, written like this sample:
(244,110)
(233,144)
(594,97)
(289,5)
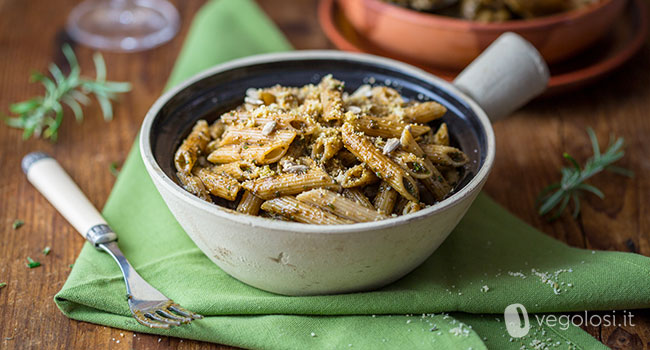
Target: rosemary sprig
(44,114)
(573,180)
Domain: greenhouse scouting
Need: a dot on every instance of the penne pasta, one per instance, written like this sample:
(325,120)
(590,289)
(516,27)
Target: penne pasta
(357,176)
(339,205)
(408,143)
(356,195)
(290,184)
(404,207)
(385,199)
(417,167)
(330,98)
(424,112)
(383,166)
(451,175)
(217,129)
(293,209)
(327,144)
(385,127)
(434,183)
(445,155)
(437,186)
(245,135)
(219,185)
(441,137)
(260,154)
(240,170)
(193,184)
(192,147)
(249,204)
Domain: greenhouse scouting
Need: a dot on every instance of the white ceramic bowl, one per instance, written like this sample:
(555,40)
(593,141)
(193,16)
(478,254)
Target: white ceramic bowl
(300,259)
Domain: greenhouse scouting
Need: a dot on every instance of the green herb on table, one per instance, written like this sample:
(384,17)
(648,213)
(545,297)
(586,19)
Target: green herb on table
(114,169)
(17,224)
(44,114)
(573,180)
(31,263)
(2,285)
(46,250)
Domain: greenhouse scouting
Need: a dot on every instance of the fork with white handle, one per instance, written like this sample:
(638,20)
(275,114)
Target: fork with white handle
(149,307)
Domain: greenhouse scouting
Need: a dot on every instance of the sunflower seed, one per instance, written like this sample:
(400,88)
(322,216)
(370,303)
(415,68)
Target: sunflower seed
(391,145)
(354,109)
(297,169)
(253,101)
(269,127)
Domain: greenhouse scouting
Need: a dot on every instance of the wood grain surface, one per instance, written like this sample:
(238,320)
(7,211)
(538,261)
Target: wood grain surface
(529,148)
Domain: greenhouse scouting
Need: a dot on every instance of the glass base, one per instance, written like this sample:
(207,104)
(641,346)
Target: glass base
(123,25)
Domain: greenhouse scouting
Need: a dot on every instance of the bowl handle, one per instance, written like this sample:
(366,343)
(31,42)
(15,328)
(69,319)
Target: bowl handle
(509,73)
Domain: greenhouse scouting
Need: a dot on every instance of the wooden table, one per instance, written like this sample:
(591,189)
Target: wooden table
(529,148)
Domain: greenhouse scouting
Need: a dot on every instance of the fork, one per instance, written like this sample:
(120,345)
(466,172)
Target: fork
(148,306)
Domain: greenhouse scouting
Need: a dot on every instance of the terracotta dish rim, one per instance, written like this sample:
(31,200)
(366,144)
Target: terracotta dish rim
(426,18)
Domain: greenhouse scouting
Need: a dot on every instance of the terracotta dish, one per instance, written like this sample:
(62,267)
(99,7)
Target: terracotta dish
(449,42)
(619,44)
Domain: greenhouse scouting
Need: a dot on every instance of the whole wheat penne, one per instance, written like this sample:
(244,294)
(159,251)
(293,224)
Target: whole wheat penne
(327,144)
(347,158)
(298,122)
(445,155)
(219,185)
(249,204)
(383,166)
(424,112)
(358,175)
(417,167)
(246,135)
(356,195)
(192,147)
(386,96)
(339,205)
(385,127)
(386,198)
(217,128)
(258,153)
(290,183)
(330,98)
(451,175)
(225,154)
(404,206)
(437,186)
(408,143)
(441,137)
(240,170)
(193,184)
(435,182)
(296,210)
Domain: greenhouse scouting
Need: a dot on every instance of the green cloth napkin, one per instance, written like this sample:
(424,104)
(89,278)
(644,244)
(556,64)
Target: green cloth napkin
(491,260)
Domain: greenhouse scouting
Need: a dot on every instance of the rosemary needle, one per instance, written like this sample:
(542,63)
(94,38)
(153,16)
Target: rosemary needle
(31,263)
